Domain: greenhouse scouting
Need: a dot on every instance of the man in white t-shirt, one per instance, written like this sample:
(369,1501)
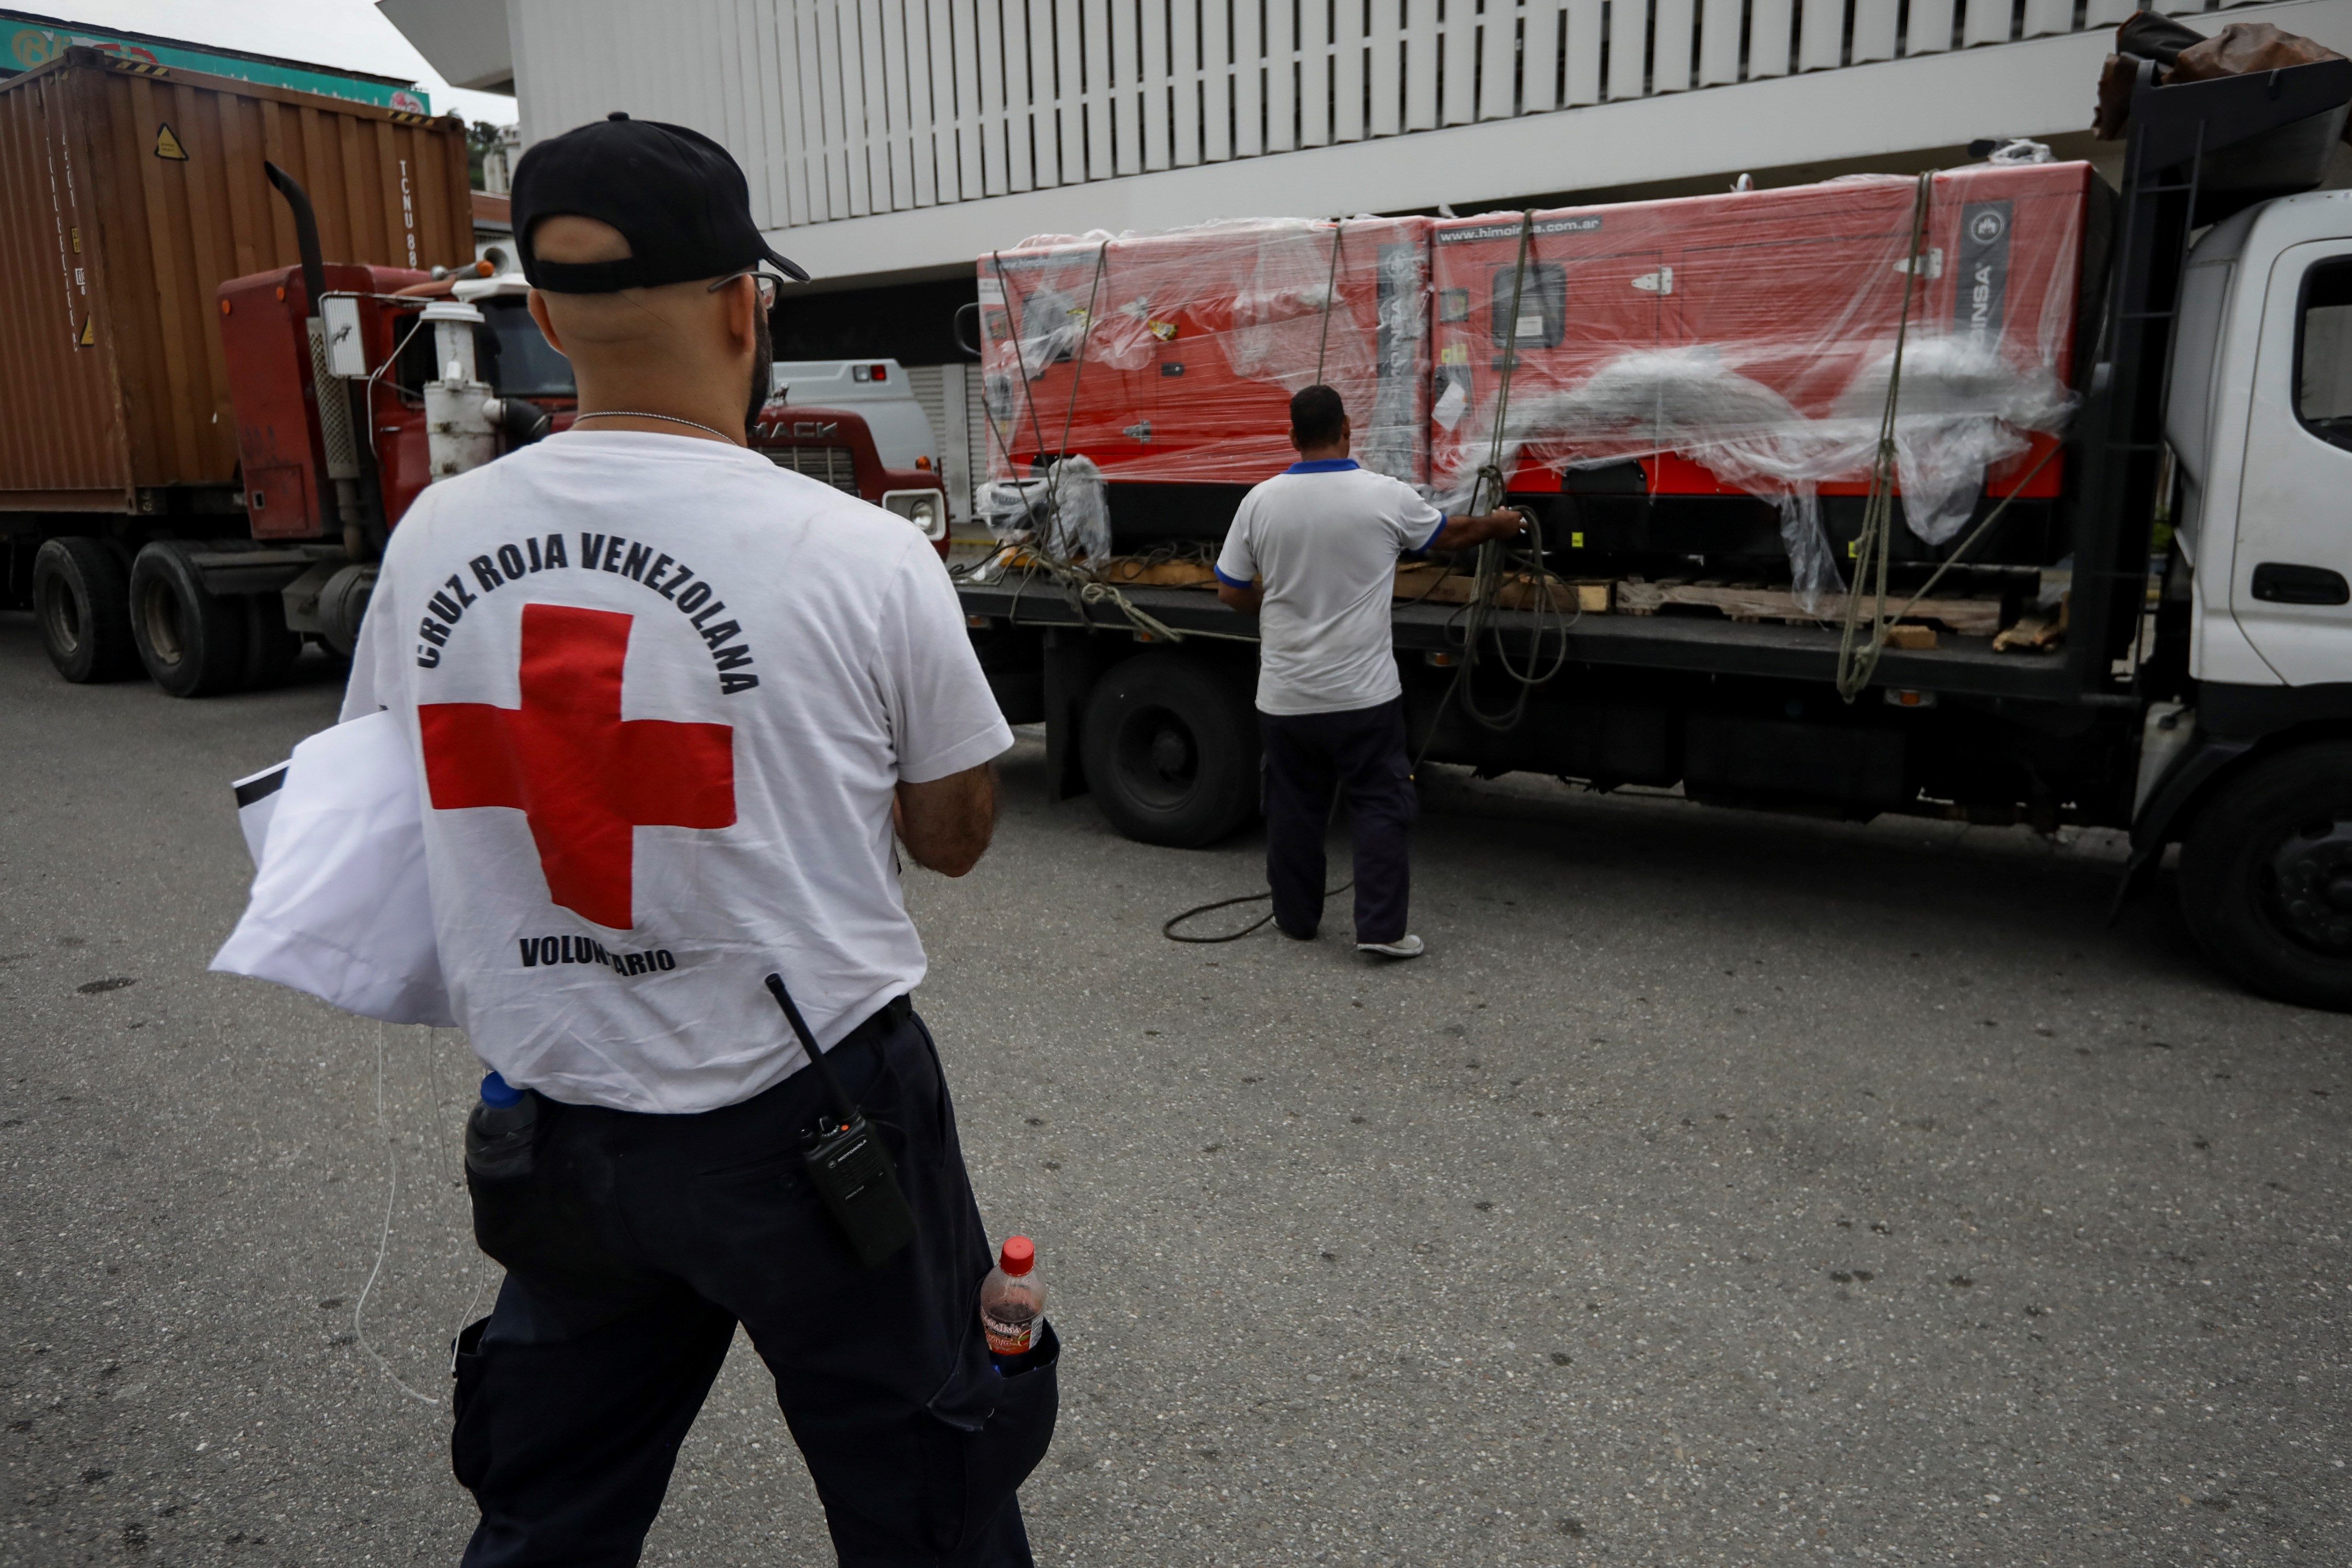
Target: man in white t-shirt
(669,701)
(1314,552)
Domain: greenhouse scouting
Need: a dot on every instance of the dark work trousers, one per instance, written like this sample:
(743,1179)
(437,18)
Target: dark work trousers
(1363,752)
(638,1244)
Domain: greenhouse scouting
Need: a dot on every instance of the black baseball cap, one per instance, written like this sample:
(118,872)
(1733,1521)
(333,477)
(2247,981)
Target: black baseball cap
(676,197)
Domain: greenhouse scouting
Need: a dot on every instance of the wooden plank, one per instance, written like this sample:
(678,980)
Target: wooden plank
(1966,618)
(1159,573)
(2107,13)
(1429,583)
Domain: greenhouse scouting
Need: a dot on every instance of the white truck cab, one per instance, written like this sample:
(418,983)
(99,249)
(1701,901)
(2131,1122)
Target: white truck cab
(2259,423)
(878,391)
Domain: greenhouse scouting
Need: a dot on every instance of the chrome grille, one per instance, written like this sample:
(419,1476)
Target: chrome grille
(829,465)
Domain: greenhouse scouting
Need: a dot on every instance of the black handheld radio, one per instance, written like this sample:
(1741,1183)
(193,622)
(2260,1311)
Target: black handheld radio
(846,1161)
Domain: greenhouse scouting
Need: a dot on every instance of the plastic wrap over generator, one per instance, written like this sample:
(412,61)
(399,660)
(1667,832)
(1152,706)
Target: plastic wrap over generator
(1170,358)
(1702,378)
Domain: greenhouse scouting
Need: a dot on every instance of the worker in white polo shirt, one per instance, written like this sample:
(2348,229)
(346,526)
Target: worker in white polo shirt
(1314,552)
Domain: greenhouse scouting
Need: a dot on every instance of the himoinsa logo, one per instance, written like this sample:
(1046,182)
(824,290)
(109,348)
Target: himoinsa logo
(1979,303)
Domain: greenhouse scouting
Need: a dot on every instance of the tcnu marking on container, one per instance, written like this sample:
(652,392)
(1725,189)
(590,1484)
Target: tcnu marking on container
(407,211)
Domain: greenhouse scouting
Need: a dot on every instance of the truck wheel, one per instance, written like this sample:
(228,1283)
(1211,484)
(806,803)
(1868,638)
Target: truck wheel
(270,649)
(191,642)
(2266,876)
(1170,751)
(82,600)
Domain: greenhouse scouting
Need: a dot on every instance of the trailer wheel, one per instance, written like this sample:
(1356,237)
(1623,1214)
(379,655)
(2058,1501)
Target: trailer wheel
(82,600)
(270,648)
(1170,751)
(2266,876)
(193,642)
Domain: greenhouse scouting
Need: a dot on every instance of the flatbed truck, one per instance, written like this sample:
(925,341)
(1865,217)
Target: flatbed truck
(2200,695)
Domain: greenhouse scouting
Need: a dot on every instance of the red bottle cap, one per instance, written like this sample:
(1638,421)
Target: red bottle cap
(1019,1257)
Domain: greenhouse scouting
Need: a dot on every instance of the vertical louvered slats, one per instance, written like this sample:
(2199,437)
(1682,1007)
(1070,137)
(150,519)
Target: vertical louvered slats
(1876,29)
(844,108)
(1539,57)
(1386,87)
(1929,30)
(1771,26)
(1988,23)
(1348,69)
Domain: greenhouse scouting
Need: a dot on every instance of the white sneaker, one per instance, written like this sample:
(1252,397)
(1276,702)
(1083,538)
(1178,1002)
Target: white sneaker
(1403,947)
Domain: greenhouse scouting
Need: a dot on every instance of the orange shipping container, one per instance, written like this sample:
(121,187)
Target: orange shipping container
(128,192)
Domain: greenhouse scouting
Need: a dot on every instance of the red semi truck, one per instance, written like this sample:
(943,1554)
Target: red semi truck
(2124,431)
(211,429)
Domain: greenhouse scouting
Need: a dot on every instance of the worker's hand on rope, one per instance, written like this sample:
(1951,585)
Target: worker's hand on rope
(1466,532)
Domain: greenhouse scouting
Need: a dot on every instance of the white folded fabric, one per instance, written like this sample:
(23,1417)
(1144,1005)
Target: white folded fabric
(340,908)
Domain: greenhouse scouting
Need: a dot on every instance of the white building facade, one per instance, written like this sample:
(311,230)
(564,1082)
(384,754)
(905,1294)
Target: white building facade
(886,138)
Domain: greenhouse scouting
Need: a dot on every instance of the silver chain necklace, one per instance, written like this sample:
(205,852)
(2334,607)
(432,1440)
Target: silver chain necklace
(671,418)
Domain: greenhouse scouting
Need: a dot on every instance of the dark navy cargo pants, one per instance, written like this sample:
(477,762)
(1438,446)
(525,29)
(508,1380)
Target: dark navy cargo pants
(637,1246)
(1360,751)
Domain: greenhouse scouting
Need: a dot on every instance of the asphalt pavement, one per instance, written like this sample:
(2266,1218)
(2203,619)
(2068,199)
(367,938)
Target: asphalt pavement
(1722,1188)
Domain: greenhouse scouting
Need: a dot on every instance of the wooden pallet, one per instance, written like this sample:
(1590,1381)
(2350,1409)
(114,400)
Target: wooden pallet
(1129,572)
(1427,584)
(1739,602)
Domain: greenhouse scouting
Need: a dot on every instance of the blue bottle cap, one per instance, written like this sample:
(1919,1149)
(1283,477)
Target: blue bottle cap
(497,1091)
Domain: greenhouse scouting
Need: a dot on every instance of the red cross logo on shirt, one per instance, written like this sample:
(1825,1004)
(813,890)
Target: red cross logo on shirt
(582,776)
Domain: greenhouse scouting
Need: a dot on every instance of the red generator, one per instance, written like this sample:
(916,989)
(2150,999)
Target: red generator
(1682,365)
(1169,358)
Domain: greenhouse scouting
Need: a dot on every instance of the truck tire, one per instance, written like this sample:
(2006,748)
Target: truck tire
(1170,751)
(270,648)
(82,597)
(2266,876)
(193,642)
